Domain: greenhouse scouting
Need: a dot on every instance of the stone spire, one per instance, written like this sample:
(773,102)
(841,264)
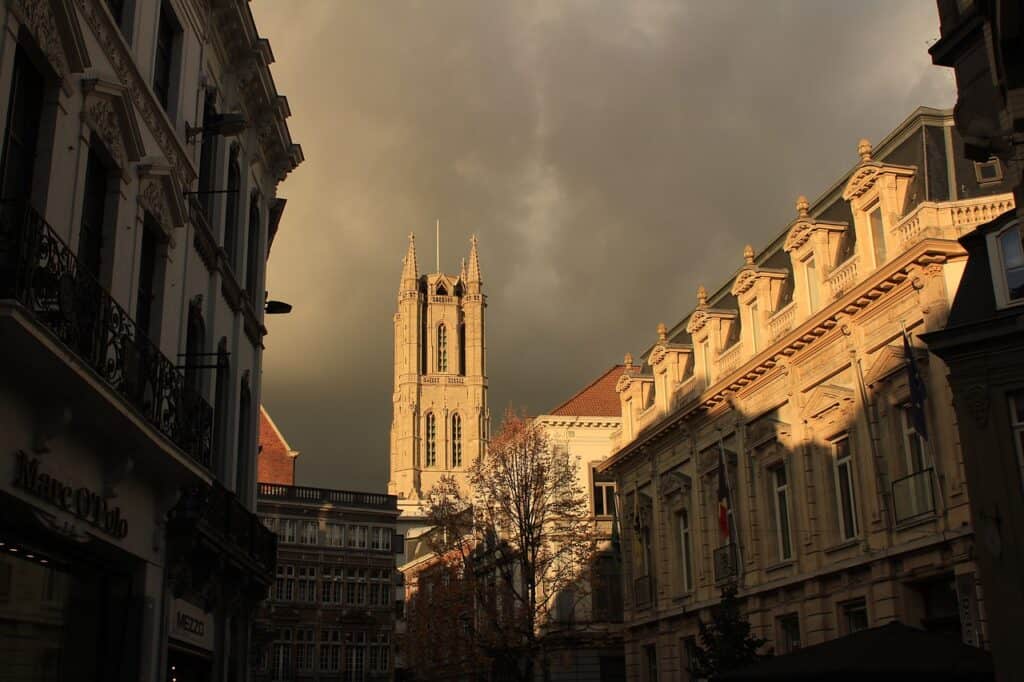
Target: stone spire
(473,274)
(409,271)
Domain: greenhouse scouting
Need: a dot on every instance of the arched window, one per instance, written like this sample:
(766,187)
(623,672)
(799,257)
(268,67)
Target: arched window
(441,290)
(1011,246)
(456,440)
(442,348)
(431,438)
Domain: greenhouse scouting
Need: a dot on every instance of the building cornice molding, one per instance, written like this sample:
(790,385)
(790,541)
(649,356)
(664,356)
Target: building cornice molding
(873,291)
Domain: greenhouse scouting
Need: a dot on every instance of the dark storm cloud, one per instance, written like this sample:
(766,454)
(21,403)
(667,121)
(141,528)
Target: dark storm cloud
(610,155)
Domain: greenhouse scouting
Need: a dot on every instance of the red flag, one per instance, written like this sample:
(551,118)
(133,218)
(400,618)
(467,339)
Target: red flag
(723,495)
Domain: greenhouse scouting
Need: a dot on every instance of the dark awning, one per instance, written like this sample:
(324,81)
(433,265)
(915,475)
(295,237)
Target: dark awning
(893,651)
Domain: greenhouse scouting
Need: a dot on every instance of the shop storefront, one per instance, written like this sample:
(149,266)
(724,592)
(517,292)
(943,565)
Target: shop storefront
(70,604)
(190,641)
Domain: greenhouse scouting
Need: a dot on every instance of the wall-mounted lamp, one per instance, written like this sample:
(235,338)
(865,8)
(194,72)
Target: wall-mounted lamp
(226,125)
(277,308)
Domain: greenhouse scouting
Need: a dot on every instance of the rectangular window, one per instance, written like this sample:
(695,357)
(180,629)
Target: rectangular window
(846,507)
(755,326)
(254,257)
(650,663)
(361,536)
(877,236)
(309,533)
(781,500)
(787,633)
(913,445)
(1011,247)
(855,616)
(811,274)
(168,35)
(22,134)
(1017,424)
(604,495)
(685,550)
(147,306)
(287,532)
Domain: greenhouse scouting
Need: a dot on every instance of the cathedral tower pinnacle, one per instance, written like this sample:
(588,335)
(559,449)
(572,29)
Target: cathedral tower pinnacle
(440,416)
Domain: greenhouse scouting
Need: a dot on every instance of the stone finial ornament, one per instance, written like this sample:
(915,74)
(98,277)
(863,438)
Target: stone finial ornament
(662,332)
(628,361)
(748,254)
(702,296)
(802,206)
(864,149)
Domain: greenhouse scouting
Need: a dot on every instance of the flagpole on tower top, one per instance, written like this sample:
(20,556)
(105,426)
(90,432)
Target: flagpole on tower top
(437,245)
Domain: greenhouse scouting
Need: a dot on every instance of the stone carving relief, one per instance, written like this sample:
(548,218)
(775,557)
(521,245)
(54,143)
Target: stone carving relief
(151,197)
(102,118)
(40,21)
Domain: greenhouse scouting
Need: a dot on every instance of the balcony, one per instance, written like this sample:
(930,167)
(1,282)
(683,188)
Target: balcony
(643,592)
(913,496)
(782,321)
(948,220)
(841,279)
(40,271)
(302,494)
(215,541)
(727,565)
(730,359)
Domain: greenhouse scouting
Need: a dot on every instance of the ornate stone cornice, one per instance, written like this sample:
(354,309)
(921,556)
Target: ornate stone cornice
(867,174)
(121,59)
(700,317)
(161,195)
(54,27)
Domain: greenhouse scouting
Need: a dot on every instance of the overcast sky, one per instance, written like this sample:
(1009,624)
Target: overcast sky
(610,155)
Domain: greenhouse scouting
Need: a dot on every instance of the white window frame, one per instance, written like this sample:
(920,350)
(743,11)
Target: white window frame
(606,491)
(685,548)
(781,506)
(997,265)
(846,461)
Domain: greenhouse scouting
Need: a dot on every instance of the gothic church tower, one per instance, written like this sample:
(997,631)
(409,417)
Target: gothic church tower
(440,400)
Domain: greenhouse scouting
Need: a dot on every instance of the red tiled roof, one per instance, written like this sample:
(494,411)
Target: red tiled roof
(599,399)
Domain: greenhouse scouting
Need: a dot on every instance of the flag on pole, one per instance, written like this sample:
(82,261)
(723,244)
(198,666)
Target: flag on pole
(917,389)
(723,494)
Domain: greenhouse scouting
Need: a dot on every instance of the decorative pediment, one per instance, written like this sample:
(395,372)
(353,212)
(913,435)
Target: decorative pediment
(748,276)
(657,354)
(54,27)
(889,360)
(673,483)
(869,171)
(825,398)
(766,429)
(803,228)
(697,320)
(108,111)
(161,195)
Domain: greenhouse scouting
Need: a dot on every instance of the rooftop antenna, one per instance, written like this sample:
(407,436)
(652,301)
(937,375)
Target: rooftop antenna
(437,244)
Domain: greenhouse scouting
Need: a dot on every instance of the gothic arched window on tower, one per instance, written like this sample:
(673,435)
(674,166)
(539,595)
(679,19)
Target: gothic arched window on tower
(442,348)
(462,348)
(431,440)
(456,440)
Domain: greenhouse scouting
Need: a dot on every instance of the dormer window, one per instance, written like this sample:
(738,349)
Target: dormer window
(1011,252)
(441,290)
(811,277)
(877,235)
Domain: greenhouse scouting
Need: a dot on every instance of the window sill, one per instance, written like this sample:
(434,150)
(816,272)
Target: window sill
(779,565)
(917,521)
(845,544)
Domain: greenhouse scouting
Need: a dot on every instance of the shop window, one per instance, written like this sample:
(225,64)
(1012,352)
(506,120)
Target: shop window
(854,616)
(787,633)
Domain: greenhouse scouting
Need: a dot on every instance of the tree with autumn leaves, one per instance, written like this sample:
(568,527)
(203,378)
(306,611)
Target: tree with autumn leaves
(517,538)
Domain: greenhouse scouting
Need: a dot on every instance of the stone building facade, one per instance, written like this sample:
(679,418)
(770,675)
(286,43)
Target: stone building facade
(440,399)
(584,631)
(143,144)
(276,462)
(789,388)
(331,613)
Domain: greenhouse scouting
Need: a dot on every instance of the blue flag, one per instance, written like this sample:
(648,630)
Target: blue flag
(917,389)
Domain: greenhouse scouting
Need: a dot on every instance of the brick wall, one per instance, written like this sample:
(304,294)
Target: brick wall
(276,459)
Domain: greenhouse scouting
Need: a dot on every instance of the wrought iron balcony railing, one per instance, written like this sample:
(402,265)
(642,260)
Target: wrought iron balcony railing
(913,496)
(726,563)
(40,271)
(643,591)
